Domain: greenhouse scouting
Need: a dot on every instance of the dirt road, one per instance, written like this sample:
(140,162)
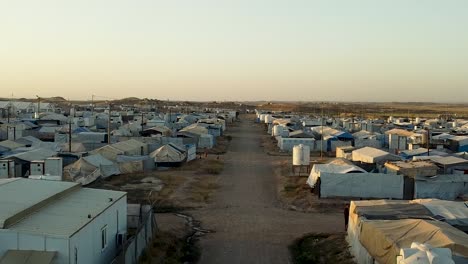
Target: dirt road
(248,224)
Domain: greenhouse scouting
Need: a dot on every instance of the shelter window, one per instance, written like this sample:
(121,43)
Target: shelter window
(104,238)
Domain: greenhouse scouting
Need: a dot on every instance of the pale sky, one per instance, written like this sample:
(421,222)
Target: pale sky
(333,50)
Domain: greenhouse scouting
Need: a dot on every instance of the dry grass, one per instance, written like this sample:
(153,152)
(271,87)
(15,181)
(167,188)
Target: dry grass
(295,194)
(171,183)
(211,166)
(374,110)
(167,248)
(189,185)
(270,146)
(222,145)
(201,191)
(321,249)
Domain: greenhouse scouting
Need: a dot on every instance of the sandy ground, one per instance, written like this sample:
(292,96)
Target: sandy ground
(250,225)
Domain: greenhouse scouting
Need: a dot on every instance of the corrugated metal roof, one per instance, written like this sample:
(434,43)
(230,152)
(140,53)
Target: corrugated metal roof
(33,154)
(18,195)
(66,216)
(400,132)
(27,257)
(369,151)
(450,160)
(129,145)
(11,144)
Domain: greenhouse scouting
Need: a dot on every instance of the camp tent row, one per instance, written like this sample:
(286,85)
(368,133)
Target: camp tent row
(402,180)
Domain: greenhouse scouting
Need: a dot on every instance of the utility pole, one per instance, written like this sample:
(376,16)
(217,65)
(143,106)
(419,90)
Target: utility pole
(428,142)
(38,105)
(92,104)
(69,135)
(109,125)
(141,121)
(321,136)
(8,114)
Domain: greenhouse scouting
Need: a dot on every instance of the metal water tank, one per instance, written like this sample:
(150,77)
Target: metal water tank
(277,130)
(417,120)
(262,118)
(301,155)
(269,119)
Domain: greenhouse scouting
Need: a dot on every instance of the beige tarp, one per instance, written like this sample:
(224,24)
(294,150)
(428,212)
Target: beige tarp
(167,153)
(75,147)
(109,152)
(131,167)
(88,169)
(383,239)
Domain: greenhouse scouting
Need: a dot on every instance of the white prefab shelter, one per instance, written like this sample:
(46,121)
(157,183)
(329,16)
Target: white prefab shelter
(372,155)
(60,220)
(287,144)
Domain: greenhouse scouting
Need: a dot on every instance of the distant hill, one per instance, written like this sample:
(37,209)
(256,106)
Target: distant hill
(57,99)
(134,100)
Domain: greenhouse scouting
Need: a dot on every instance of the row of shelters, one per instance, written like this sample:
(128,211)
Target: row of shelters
(93,144)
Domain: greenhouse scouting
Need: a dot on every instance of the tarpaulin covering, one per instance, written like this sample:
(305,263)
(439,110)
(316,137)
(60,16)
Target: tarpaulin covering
(365,185)
(454,213)
(89,168)
(168,153)
(394,211)
(446,187)
(383,239)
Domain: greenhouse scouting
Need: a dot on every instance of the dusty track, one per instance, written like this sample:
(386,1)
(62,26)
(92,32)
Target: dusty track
(249,225)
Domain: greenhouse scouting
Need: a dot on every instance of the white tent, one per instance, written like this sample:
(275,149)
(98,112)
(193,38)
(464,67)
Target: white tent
(331,168)
(89,168)
(54,116)
(168,154)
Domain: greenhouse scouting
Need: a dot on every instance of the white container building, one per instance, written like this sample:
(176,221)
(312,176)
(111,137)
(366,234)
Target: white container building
(61,221)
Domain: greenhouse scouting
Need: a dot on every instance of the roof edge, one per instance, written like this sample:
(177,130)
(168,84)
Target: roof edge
(10,221)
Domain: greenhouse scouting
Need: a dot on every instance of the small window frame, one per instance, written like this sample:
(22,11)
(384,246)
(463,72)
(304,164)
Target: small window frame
(104,238)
